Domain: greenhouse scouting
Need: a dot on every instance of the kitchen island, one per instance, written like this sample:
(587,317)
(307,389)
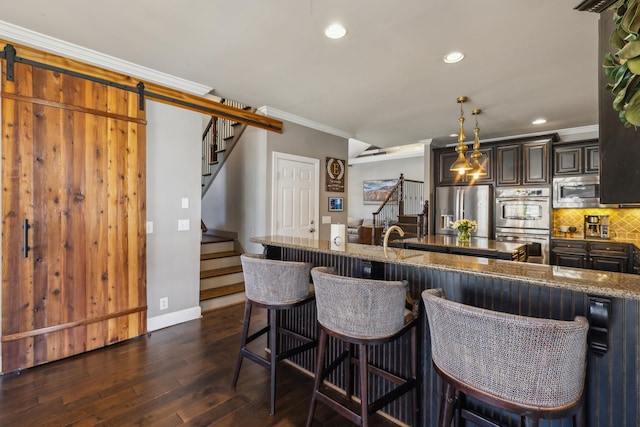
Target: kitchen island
(611,301)
(478,246)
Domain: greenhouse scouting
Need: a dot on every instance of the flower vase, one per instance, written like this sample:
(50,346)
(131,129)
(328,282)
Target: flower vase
(464,236)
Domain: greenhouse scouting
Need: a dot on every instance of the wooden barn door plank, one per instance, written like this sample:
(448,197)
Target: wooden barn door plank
(77,174)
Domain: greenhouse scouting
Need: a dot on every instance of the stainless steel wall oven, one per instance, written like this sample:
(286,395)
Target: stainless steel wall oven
(523,214)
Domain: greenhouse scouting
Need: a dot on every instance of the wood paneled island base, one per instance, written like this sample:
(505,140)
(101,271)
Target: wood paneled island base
(611,302)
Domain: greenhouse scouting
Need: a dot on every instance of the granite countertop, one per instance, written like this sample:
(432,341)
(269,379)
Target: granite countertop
(594,282)
(476,243)
(580,237)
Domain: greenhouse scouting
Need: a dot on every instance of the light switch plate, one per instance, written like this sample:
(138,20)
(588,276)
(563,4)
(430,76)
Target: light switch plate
(185,203)
(184,225)
(326,219)
(149,227)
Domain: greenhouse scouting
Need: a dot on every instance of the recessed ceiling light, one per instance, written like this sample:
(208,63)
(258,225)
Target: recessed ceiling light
(539,121)
(453,135)
(335,31)
(453,57)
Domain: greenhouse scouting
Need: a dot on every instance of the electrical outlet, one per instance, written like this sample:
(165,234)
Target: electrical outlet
(164,303)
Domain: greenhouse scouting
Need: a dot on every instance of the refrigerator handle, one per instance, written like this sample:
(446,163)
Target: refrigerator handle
(455,205)
(459,204)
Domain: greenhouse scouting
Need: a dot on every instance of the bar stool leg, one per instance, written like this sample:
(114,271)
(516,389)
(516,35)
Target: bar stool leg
(243,342)
(580,417)
(322,344)
(447,404)
(414,376)
(364,385)
(348,372)
(273,347)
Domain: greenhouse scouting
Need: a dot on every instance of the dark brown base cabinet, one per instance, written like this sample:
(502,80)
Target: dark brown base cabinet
(603,256)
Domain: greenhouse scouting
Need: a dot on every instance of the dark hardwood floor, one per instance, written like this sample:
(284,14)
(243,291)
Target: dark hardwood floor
(175,376)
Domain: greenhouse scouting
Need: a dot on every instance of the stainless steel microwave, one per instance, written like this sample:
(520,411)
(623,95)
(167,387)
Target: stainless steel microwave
(577,192)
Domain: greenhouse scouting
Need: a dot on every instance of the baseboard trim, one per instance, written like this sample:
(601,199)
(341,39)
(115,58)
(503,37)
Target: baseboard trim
(170,319)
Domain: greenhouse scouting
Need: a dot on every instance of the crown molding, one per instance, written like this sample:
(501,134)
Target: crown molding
(384,157)
(69,50)
(579,130)
(283,115)
(590,131)
(594,5)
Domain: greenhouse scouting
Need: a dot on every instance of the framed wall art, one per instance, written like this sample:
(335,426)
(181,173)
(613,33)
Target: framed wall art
(375,191)
(335,174)
(336,204)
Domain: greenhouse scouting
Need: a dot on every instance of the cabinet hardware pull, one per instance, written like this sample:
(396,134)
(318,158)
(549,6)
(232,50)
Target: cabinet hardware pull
(25,238)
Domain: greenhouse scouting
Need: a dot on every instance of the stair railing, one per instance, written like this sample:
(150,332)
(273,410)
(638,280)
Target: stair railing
(218,140)
(405,198)
(215,137)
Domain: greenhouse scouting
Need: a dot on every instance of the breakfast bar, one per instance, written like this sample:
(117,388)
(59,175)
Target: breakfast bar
(477,246)
(611,302)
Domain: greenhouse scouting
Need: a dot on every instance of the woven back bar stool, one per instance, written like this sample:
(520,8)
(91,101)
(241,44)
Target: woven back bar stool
(361,313)
(273,285)
(527,366)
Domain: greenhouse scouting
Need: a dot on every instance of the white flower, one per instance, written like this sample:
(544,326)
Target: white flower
(465,224)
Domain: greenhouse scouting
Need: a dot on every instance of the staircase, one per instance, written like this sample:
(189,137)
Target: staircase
(404,206)
(410,224)
(218,140)
(221,279)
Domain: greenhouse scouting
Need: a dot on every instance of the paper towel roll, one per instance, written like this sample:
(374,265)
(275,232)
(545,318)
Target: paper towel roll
(338,237)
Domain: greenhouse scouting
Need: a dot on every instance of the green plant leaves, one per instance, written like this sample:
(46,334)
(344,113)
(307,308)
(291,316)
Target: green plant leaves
(632,110)
(630,50)
(623,67)
(631,21)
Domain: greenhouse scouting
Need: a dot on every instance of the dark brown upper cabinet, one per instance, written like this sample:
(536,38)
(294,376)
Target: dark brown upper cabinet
(523,163)
(445,158)
(576,159)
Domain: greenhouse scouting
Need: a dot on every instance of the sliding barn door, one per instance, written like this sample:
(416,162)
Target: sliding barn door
(73,214)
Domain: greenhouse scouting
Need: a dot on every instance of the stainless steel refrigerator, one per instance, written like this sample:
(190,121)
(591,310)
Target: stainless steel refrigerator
(472,202)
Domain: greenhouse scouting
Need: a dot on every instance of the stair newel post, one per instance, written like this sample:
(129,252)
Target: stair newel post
(425,215)
(214,138)
(401,196)
(373,231)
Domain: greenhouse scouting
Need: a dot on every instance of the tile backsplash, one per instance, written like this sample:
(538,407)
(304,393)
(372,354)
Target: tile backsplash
(624,223)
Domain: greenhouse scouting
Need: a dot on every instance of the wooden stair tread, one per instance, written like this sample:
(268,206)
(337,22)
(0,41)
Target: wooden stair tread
(221,291)
(220,271)
(218,255)
(209,238)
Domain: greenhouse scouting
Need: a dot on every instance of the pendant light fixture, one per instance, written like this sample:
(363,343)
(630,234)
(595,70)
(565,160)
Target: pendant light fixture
(461,165)
(476,168)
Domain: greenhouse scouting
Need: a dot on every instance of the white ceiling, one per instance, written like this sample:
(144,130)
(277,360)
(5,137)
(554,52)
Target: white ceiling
(385,83)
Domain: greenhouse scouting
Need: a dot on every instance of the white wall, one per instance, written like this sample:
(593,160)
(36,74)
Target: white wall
(239,200)
(412,168)
(173,172)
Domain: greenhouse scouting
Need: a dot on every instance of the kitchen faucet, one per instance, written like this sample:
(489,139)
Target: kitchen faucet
(385,243)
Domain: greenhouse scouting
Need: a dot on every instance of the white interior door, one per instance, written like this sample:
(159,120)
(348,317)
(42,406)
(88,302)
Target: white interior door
(295,201)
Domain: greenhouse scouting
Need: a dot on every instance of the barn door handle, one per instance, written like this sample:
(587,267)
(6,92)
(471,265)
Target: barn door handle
(25,238)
